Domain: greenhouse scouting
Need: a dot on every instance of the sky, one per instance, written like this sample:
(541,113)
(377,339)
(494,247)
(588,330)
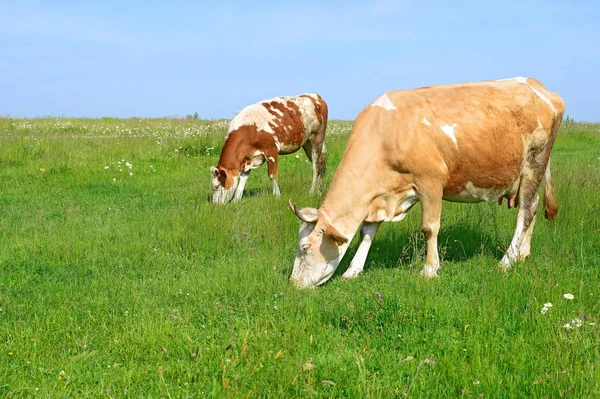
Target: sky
(116,58)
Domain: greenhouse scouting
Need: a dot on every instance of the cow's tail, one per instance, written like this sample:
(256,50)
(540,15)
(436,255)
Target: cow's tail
(550,204)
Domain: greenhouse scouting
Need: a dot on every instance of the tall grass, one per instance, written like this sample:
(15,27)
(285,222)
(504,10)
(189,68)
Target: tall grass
(119,279)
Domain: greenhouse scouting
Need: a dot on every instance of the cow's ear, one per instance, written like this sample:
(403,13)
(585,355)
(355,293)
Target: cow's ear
(214,171)
(308,215)
(331,232)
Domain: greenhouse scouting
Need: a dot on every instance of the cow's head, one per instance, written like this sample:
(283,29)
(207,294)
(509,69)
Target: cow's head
(320,249)
(224,184)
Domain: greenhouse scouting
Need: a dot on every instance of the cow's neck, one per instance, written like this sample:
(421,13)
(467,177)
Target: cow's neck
(350,197)
(234,153)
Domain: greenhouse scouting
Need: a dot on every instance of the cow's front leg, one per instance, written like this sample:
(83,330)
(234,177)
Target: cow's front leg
(273,170)
(367,233)
(431,204)
(239,191)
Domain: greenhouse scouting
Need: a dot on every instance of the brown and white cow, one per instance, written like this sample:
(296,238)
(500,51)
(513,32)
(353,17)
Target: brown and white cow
(263,131)
(464,143)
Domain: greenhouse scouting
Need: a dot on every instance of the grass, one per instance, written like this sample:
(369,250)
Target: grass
(116,285)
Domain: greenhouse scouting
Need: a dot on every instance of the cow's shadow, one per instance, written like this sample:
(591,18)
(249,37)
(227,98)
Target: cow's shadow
(257,192)
(407,250)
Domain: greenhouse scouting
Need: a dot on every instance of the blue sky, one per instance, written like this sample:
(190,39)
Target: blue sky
(170,58)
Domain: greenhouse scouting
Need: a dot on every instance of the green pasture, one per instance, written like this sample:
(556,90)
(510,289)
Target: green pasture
(119,280)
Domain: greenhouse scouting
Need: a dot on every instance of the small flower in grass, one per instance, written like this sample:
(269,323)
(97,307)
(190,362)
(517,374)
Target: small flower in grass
(568,326)
(43,170)
(128,165)
(577,322)
(546,307)
(107,166)
(569,296)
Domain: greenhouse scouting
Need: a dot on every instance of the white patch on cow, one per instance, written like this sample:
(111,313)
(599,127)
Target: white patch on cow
(538,93)
(271,159)
(258,158)
(277,143)
(384,102)
(449,131)
(519,79)
(544,98)
(425,121)
(255,114)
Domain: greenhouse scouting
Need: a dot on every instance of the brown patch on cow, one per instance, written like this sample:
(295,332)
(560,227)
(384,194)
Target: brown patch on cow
(288,128)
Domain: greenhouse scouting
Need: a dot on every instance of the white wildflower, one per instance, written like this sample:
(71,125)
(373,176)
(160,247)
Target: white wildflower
(546,307)
(577,322)
(128,165)
(106,167)
(568,326)
(568,296)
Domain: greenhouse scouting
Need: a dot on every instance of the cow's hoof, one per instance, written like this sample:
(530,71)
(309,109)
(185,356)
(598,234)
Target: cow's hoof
(429,271)
(350,274)
(505,264)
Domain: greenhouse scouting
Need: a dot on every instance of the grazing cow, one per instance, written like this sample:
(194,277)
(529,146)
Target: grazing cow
(263,131)
(463,143)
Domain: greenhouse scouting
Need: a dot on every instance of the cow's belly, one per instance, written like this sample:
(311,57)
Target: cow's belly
(472,193)
(290,142)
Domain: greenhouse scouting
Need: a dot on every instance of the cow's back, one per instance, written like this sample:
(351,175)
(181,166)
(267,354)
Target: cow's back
(289,120)
(474,134)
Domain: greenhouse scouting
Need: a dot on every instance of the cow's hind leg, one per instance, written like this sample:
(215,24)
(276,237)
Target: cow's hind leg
(273,170)
(367,233)
(525,247)
(532,175)
(430,196)
(315,151)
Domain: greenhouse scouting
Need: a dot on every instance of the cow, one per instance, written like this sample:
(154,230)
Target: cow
(261,132)
(466,142)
